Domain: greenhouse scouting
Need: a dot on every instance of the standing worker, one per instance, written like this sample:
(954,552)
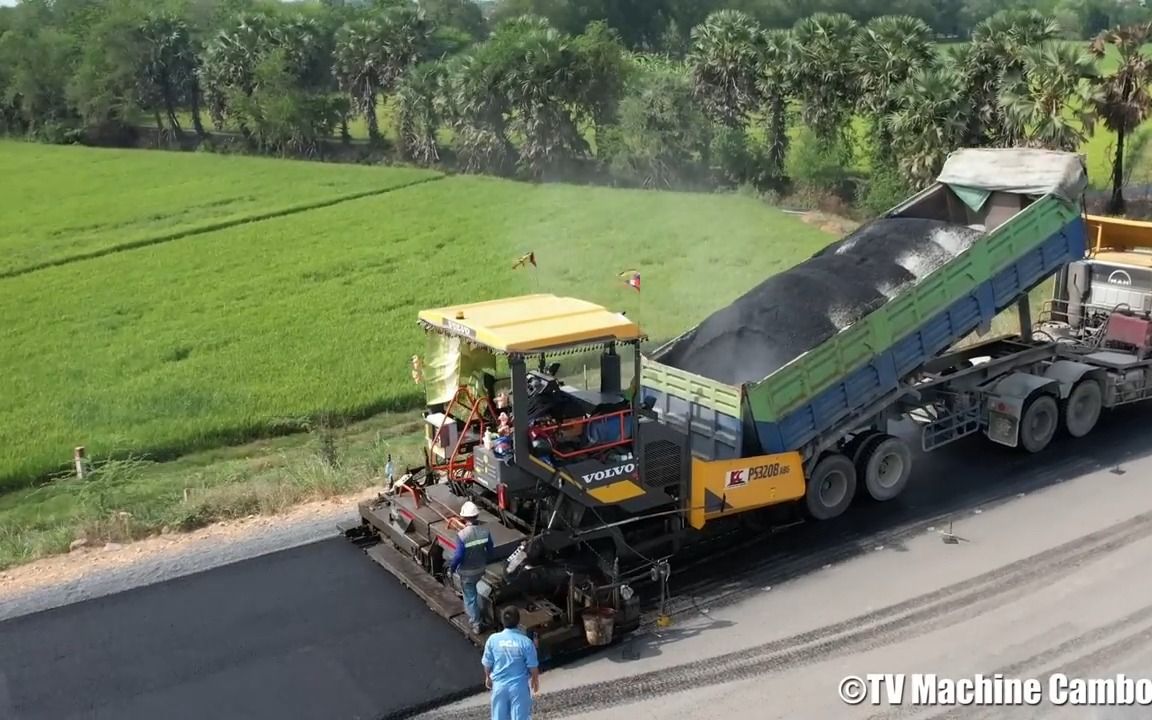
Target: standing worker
(473,548)
(511,669)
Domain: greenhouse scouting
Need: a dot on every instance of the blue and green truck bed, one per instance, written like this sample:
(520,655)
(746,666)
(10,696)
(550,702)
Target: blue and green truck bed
(1029,205)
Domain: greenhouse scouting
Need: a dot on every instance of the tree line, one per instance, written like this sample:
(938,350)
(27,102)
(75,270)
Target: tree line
(663,25)
(528,89)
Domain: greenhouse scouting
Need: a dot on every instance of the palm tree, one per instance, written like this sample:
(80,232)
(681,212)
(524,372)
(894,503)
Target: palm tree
(887,51)
(307,48)
(419,112)
(827,76)
(928,121)
(478,108)
(227,72)
(170,65)
(406,35)
(1049,103)
(1123,101)
(726,56)
(540,77)
(372,54)
(777,86)
(357,68)
(993,59)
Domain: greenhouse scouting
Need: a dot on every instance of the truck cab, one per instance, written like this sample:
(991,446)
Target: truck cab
(1115,275)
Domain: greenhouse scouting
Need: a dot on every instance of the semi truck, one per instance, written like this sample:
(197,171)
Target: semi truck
(592,496)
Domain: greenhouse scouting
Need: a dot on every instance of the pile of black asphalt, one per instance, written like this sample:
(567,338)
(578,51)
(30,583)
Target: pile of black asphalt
(796,310)
(320,631)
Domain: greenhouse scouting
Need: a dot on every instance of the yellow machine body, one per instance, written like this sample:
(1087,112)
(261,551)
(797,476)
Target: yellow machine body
(727,487)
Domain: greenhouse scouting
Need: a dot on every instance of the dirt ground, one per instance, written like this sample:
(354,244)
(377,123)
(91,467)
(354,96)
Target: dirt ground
(835,224)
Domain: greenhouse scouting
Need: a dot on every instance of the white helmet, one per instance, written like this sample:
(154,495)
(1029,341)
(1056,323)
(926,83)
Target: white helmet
(469,510)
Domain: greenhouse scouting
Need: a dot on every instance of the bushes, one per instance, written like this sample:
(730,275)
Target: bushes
(819,168)
(738,159)
(885,188)
(661,138)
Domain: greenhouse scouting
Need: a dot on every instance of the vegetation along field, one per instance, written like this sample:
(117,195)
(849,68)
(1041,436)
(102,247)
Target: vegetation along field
(227,335)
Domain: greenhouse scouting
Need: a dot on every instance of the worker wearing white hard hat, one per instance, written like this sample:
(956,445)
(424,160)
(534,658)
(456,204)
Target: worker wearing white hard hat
(473,548)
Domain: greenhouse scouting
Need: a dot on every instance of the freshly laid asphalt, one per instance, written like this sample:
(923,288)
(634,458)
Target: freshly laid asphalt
(318,631)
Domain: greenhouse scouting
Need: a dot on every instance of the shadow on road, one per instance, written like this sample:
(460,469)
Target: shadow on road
(647,645)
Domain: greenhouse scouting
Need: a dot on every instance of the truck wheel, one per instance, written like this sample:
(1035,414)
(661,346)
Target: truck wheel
(886,467)
(831,487)
(1082,408)
(858,448)
(1038,423)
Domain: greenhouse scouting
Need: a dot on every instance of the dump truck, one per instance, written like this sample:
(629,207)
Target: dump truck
(592,495)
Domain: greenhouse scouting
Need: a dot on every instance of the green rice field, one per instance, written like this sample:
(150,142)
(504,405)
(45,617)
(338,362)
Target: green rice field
(242,332)
(63,203)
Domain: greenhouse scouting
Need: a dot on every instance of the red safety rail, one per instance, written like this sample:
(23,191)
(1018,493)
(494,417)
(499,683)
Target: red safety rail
(548,432)
(479,413)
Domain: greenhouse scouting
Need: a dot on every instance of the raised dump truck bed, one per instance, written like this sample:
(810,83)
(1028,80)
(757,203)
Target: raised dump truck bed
(1026,204)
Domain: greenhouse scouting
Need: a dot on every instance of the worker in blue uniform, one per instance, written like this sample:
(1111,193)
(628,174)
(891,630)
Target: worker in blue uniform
(511,669)
(473,549)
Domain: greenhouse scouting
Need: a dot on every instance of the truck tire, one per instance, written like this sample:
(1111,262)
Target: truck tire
(831,487)
(1038,423)
(1082,408)
(886,467)
(859,446)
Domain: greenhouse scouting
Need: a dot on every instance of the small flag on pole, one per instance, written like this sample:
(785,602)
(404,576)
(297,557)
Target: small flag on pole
(632,278)
(525,260)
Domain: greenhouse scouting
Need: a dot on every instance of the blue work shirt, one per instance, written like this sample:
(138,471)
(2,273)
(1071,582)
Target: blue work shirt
(509,655)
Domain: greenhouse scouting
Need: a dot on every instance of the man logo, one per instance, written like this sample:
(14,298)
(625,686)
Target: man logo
(737,478)
(1119,277)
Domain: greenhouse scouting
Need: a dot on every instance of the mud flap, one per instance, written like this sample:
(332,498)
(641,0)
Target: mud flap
(1005,402)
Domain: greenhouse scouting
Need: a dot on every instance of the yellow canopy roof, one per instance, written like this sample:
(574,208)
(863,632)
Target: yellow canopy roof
(532,323)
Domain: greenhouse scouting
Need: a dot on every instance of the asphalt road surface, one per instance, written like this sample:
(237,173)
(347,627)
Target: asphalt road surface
(318,631)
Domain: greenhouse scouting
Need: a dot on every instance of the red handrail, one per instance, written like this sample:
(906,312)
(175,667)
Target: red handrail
(547,431)
(466,399)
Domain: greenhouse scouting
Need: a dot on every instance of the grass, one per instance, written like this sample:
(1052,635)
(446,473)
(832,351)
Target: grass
(252,330)
(129,499)
(71,203)
(1007,322)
